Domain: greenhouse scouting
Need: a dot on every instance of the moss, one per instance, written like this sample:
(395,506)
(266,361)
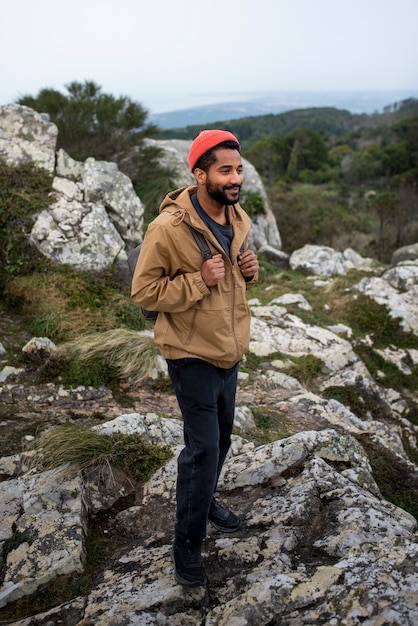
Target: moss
(73,373)
(367,317)
(389,374)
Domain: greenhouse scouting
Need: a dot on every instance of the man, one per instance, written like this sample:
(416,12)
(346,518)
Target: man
(202,329)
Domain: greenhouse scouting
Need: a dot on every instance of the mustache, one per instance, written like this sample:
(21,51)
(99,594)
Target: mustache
(232,187)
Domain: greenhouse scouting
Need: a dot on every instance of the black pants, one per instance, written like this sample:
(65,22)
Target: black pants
(206,397)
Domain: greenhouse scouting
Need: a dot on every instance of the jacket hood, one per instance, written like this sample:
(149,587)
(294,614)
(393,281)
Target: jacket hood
(179,204)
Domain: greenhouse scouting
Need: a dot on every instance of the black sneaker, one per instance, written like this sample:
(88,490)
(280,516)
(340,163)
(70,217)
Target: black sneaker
(188,566)
(222,518)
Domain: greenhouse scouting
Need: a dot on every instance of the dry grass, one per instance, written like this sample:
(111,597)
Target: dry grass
(71,448)
(132,354)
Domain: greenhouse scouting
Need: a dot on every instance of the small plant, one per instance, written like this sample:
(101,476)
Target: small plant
(75,448)
(306,369)
(271,425)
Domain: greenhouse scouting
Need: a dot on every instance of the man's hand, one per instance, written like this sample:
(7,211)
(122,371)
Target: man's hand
(248,263)
(213,270)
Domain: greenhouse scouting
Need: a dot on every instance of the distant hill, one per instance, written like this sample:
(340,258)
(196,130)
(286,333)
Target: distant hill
(361,102)
(322,119)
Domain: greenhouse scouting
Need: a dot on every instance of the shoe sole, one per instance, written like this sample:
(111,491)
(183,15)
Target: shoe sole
(183,581)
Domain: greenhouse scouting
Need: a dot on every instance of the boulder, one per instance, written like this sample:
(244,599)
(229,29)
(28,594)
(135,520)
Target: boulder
(27,137)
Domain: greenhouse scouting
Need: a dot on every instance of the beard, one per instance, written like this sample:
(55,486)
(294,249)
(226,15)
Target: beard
(221,195)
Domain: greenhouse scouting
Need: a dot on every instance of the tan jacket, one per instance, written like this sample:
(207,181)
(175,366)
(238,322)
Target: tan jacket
(212,324)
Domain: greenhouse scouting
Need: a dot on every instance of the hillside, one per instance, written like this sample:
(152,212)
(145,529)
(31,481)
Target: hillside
(322,119)
(323,466)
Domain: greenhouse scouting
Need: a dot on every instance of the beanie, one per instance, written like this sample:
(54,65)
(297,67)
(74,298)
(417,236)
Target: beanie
(206,140)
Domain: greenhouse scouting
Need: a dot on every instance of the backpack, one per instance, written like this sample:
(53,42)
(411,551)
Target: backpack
(134,255)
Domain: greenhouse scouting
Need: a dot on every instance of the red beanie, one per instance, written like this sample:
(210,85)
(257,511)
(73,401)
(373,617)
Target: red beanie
(206,140)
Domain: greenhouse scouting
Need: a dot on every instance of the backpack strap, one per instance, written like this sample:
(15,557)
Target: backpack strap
(202,243)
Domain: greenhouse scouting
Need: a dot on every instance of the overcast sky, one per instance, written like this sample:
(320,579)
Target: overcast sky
(172,54)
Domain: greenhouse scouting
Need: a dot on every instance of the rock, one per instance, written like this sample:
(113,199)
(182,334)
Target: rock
(44,515)
(8,371)
(77,234)
(39,349)
(325,261)
(275,256)
(105,185)
(397,289)
(406,253)
(27,137)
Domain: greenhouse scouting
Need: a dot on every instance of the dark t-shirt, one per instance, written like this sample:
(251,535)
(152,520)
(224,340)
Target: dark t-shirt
(223,234)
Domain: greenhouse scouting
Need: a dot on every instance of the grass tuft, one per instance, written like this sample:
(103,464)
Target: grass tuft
(72,448)
(100,358)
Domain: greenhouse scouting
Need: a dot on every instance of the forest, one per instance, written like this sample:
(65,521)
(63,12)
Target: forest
(332,177)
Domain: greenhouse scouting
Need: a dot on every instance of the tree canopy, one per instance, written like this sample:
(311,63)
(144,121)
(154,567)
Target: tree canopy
(92,123)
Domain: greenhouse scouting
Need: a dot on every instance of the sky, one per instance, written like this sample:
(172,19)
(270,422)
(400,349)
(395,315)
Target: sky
(174,54)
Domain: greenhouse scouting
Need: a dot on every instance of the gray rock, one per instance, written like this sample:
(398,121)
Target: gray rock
(325,261)
(397,289)
(77,234)
(406,253)
(46,515)
(27,137)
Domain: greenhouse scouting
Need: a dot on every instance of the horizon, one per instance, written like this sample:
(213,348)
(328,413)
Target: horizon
(166,55)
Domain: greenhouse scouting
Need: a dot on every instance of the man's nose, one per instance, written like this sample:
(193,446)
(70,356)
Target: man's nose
(237,177)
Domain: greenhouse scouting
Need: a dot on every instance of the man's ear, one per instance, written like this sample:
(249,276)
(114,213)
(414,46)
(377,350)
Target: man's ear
(200,176)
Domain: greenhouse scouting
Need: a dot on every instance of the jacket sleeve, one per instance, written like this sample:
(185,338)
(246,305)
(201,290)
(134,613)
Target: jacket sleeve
(165,278)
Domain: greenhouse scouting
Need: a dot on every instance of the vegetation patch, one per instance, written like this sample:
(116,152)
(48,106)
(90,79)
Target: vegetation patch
(253,202)
(365,403)
(393,477)
(24,191)
(63,303)
(99,358)
(271,425)
(306,369)
(76,448)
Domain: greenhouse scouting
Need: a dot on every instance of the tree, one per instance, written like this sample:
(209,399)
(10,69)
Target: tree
(92,123)
(303,150)
(266,156)
(386,206)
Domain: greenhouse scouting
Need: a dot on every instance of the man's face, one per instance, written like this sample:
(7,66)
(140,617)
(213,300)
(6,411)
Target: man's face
(224,178)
